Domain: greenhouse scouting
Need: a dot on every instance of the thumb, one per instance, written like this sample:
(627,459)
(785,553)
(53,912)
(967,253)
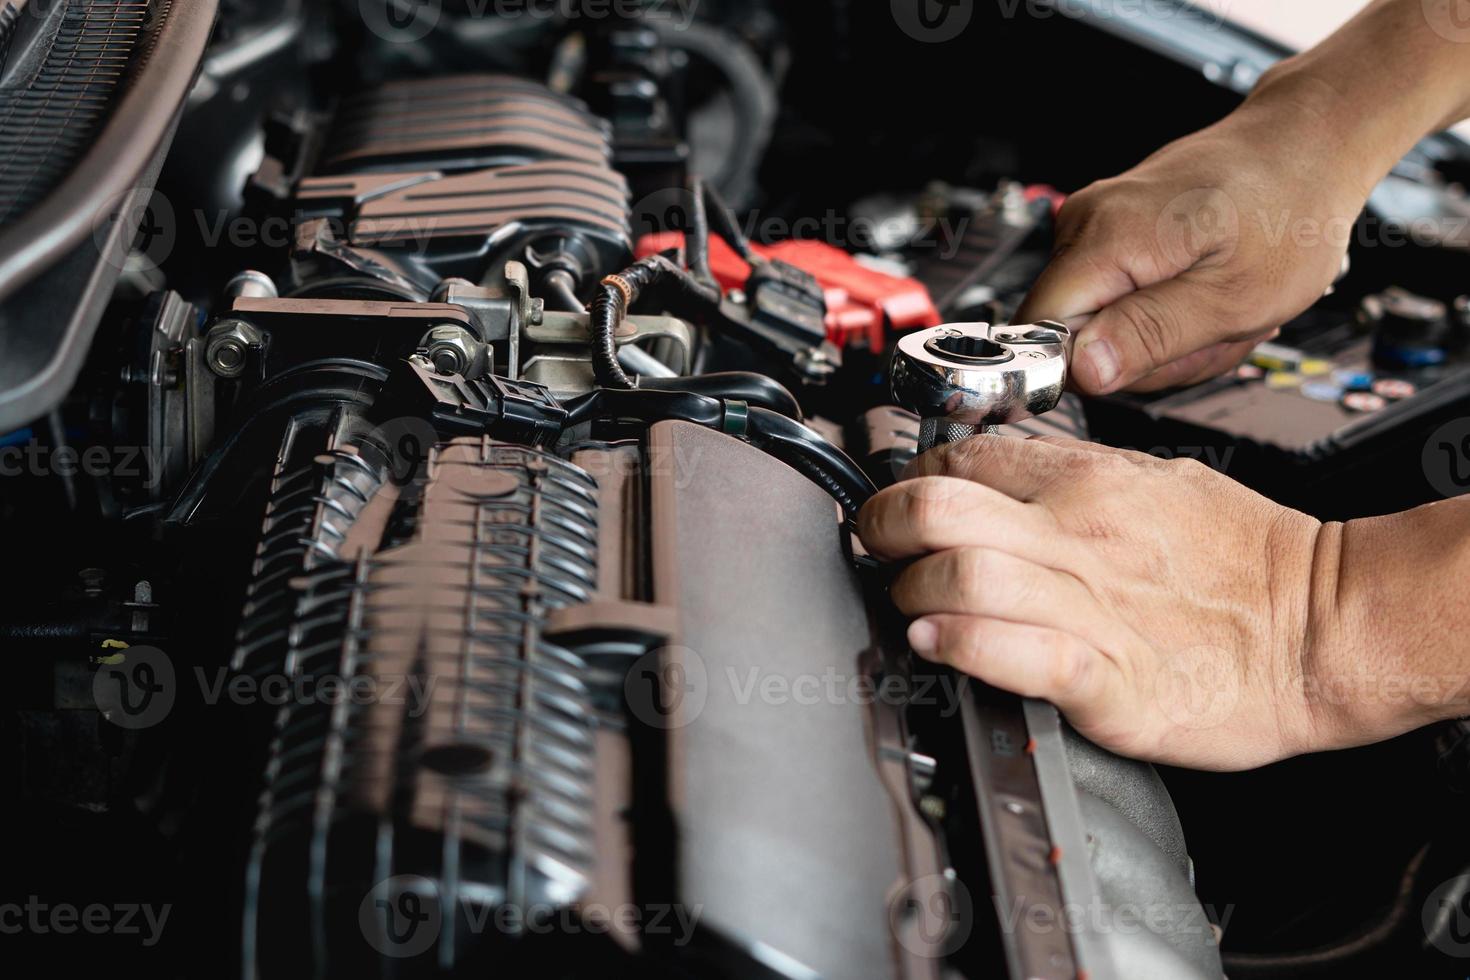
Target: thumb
(1143,331)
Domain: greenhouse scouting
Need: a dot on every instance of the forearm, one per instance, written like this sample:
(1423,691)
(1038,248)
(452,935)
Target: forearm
(1380,84)
(1388,648)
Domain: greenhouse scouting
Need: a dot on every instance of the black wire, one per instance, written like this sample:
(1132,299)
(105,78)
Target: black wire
(648,407)
(722,219)
(798,446)
(742,386)
(680,293)
(771,432)
(696,232)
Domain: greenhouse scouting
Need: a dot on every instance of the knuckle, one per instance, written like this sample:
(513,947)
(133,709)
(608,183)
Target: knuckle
(974,569)
(1069,667)
(1096,525)
(1119,466)
(1154,325)
(964,458)
(928,508)
(875,517)
(970,642)
(1184,467)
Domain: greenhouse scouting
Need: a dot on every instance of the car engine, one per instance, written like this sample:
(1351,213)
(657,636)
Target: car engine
(433,437)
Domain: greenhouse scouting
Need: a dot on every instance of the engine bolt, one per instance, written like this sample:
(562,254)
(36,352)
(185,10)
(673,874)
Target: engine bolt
(227,347)
(452,349)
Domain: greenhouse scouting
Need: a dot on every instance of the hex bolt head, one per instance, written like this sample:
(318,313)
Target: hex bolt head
(227,347)
(452,349)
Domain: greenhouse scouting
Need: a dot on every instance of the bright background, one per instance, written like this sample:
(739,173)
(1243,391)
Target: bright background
(1299,23)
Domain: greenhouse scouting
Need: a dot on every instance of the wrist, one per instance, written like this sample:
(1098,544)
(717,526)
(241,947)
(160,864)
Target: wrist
(1380,654)
(1304,611)
(1307,121)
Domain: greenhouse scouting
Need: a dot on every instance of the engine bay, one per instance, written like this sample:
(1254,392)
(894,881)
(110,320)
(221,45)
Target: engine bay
(432,439)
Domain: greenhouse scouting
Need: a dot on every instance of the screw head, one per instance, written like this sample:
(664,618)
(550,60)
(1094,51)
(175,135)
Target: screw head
(227,349)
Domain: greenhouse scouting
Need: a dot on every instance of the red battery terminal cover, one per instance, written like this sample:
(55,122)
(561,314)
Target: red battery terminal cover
(862,303)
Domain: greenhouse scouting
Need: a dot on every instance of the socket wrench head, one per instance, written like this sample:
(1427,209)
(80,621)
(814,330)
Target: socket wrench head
(976,374)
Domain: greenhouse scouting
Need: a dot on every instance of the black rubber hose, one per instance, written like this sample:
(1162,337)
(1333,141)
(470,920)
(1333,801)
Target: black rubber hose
(681,294)
(796,445)
(722,219)
(646,406)
(752,92)
(696,232)
(1337,959)
(745,386)
(785,439)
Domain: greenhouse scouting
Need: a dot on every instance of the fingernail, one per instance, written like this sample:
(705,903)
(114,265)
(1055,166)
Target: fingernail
(1102,363)
(923,637)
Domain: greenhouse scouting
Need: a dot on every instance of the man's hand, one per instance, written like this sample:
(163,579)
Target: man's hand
(1165,609)
(1170,613)
(1214,242)
(1198,254)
